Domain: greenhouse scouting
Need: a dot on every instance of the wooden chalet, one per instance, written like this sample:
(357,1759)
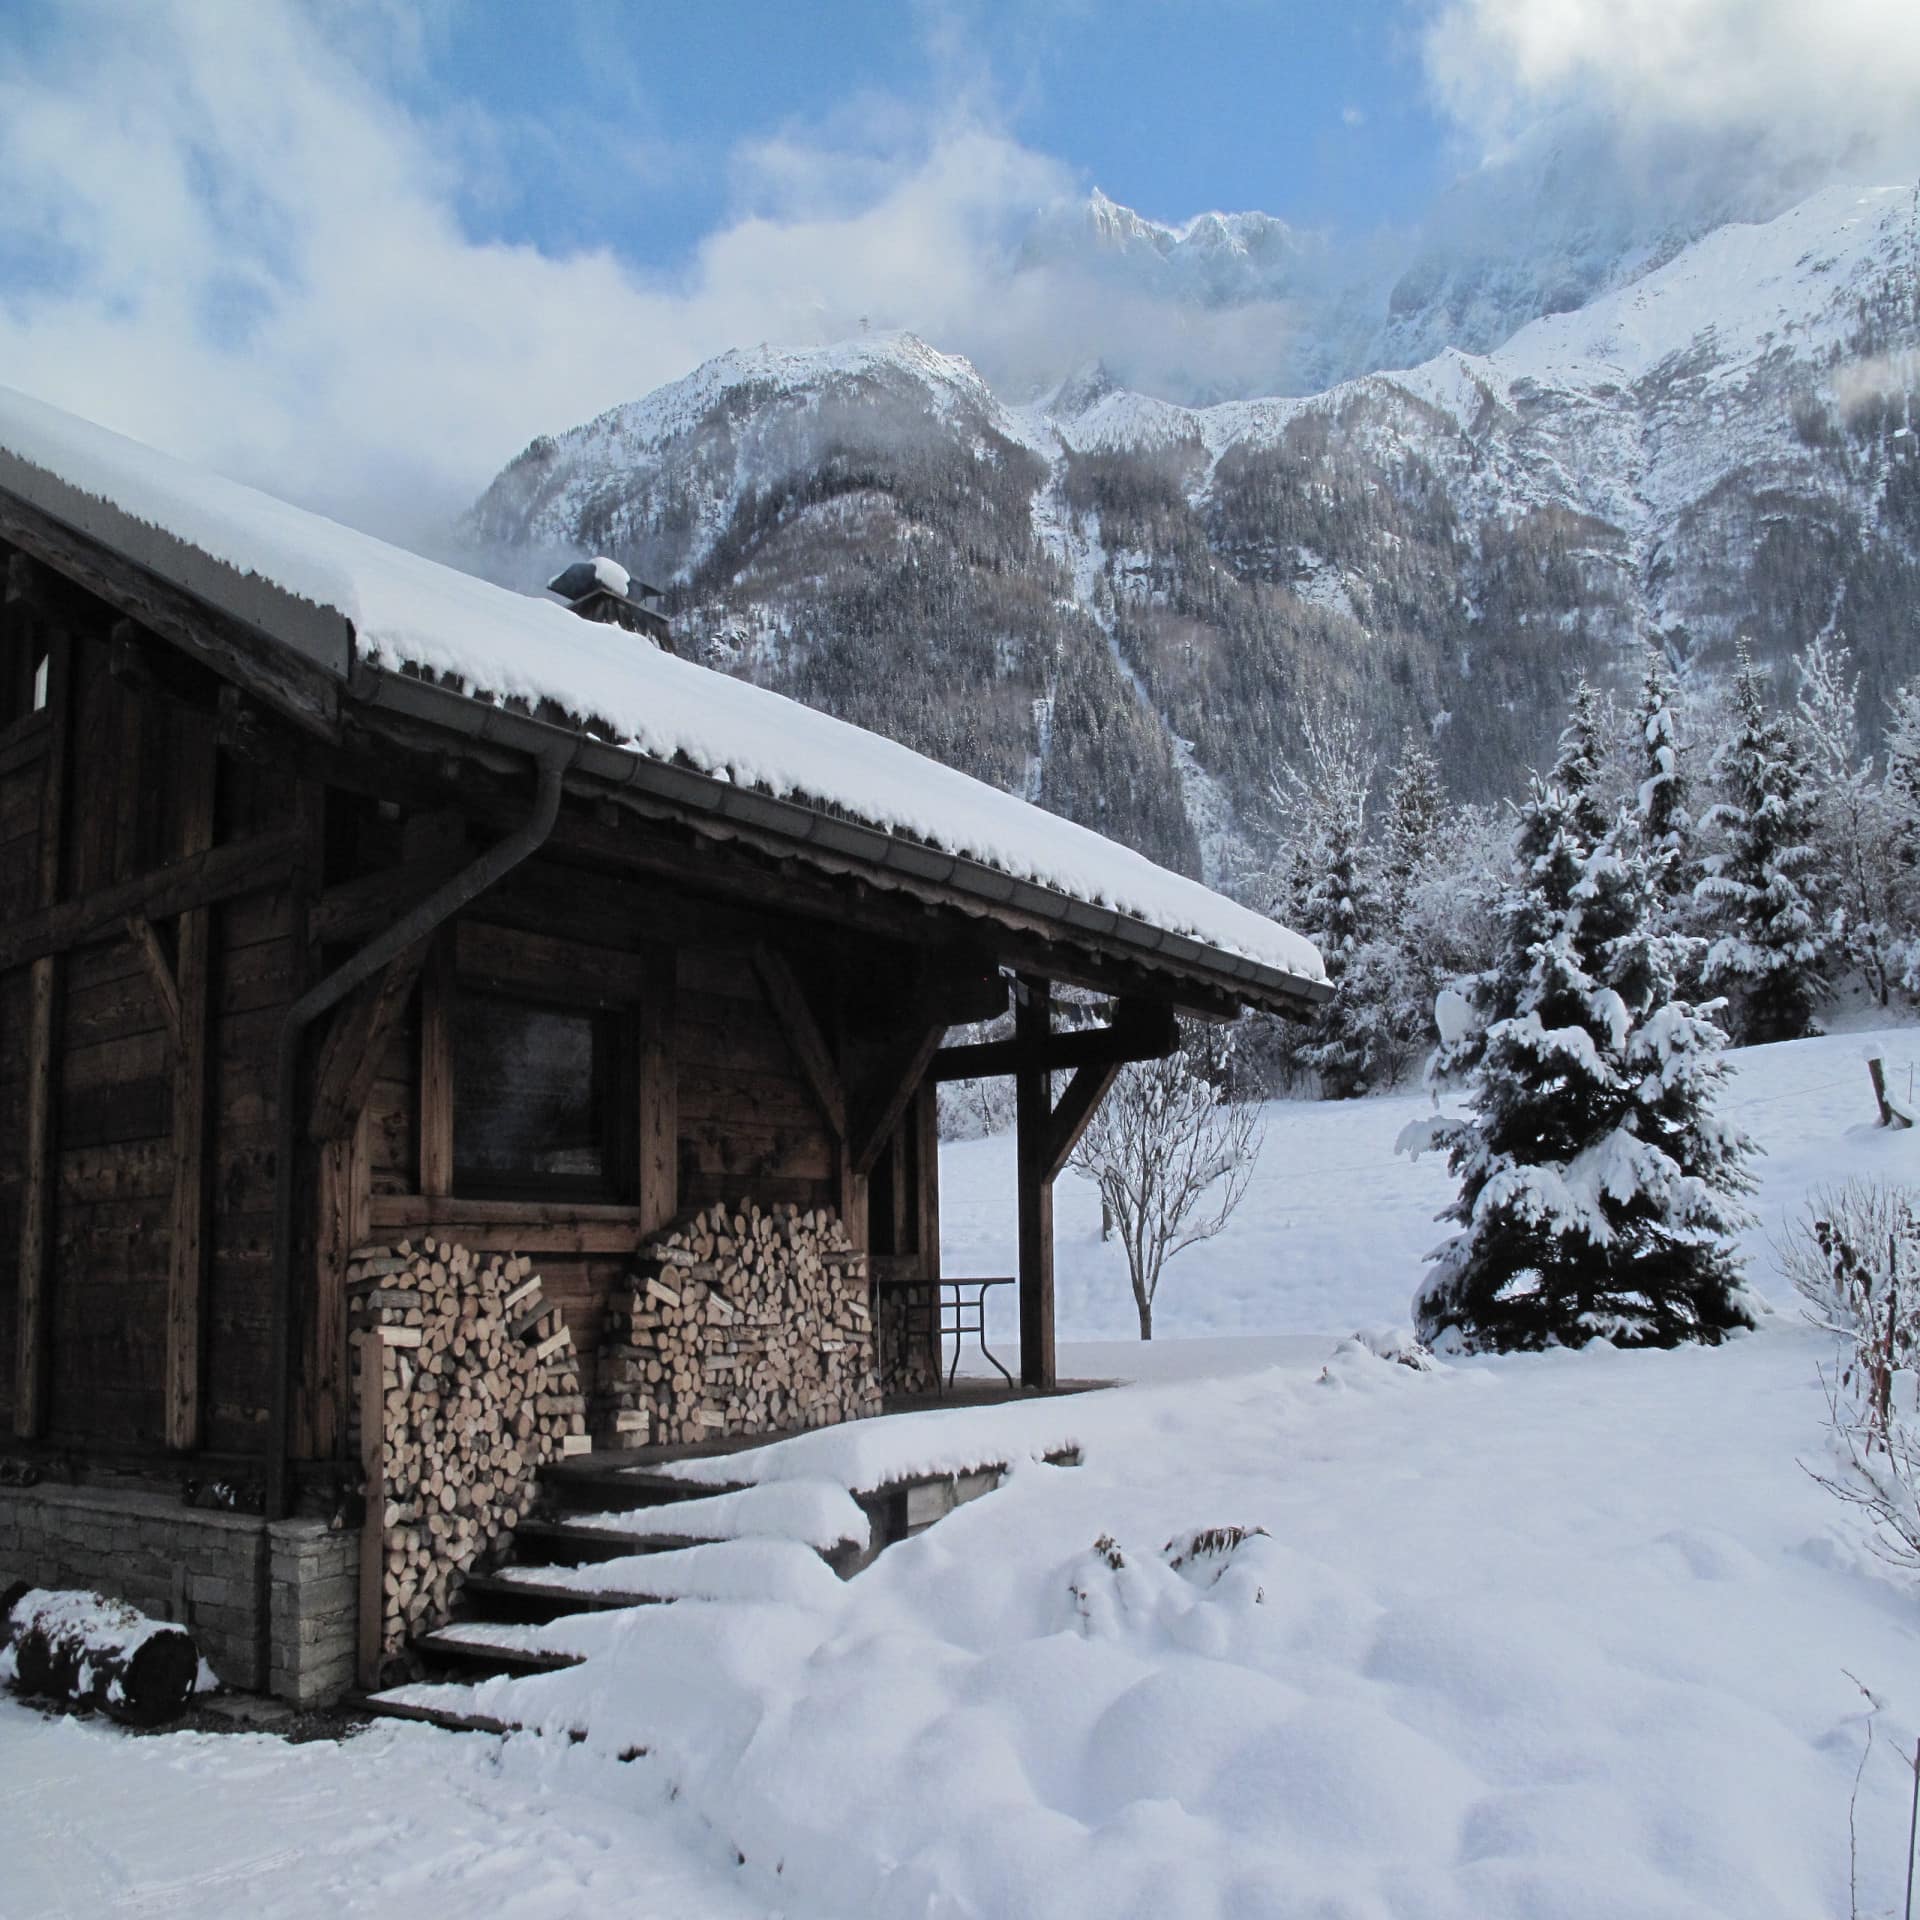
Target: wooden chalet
(361,920)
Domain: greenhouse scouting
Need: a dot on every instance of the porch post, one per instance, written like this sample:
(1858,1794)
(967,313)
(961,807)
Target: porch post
(1033,1113)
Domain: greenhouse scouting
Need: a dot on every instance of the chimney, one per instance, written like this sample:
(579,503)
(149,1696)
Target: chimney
(602,589)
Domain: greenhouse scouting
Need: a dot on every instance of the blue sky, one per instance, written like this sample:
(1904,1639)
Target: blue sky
(1320,113)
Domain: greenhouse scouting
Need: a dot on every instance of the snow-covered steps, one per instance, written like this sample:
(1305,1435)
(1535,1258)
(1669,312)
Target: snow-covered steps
(490,1647)
(595,1483)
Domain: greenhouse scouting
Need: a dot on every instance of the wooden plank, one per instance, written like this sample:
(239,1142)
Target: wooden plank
(889,1088)
(31,1345)
(196,763)
(1033,1116)
(926,1120)
(355,1044)
(659,1093)
(506,1225)
(1075,1111)
(1140,1030)
(32,1349)
(436,1070)
(243,867)
(373,1532)
(344,1222)
(544,966)
(153,957)
(803,1036)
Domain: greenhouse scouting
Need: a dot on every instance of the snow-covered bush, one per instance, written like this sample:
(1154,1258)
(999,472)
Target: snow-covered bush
(1855,1258)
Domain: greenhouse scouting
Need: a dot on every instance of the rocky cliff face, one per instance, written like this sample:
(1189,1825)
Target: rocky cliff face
(1120,605)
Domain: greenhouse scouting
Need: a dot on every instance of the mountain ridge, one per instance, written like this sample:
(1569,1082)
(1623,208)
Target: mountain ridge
(1120,603)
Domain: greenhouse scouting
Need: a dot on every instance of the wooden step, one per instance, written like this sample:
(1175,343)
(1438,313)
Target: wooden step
(533,1602)
(591,1483)
(491,1656)
(565,1543)
(447,1719)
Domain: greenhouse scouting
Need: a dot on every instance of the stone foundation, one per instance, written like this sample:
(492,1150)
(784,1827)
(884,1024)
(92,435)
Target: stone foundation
(213,1573)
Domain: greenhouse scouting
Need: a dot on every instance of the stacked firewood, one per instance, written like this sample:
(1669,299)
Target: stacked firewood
(478,1387)
(745,1320)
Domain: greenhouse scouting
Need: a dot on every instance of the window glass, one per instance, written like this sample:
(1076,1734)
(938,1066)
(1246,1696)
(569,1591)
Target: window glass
(530,1106)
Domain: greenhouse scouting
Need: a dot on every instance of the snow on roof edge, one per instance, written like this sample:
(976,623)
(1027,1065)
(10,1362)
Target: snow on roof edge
(406,612)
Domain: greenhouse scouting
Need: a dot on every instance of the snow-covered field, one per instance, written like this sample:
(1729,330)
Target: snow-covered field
(1562,1635)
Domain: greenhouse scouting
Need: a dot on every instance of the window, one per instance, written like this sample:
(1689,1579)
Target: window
(23,672)
(534,1099)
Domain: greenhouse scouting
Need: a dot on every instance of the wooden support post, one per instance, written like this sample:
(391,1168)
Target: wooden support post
(659,1090)
(343,1207)
(926,1123)
(192,1009)
(1033,1113)
(32,1345)
(436,1068)
(373,1529)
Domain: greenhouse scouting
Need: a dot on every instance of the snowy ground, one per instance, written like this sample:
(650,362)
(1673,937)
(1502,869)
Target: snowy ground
(1564,1635)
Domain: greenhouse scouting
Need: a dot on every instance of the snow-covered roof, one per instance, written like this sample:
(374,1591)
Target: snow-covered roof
(344,599)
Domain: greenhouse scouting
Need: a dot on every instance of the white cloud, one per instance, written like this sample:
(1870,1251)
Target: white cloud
(1353,117)
(219,234)
(1836,73)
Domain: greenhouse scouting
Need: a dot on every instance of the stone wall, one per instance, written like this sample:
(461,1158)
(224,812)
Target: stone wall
(211,1572)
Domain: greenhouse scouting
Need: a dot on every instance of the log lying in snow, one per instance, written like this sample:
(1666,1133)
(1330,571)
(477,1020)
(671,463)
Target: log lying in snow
(89,1651)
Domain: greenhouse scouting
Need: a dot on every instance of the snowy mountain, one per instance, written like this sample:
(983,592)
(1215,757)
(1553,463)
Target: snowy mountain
(1118,604)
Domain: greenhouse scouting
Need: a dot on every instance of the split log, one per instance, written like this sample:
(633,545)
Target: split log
(88,1651)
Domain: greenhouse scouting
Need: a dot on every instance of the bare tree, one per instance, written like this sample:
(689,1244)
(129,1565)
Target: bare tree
(1171,1152)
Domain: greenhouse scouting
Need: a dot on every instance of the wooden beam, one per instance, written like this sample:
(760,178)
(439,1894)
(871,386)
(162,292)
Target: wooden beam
(32,1337)
(343,1224)
(1033,1118)
(357,908)
(888,1089)
(926,1124)
(373,1529)
(659,1094)
(244,866)
(436,1068)
(159,973)
(807,1042)
(1140,1030)
(197,765)
(356,1041)
(1075,1110)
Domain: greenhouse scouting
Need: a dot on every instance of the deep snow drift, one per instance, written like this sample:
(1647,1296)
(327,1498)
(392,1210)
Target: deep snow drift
(1557,1635)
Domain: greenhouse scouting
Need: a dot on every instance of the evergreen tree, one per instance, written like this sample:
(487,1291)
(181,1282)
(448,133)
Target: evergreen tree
(1768,943)
(1415,818)
(1578,769)
(1597,1185)
(1662,798)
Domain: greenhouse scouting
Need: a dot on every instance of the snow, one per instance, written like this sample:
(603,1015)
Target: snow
(1565,1634)
(612,575)
(397,1820)
(406,611)
(818,1513)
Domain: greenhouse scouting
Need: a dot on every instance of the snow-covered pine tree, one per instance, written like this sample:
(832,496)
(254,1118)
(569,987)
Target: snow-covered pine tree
(1759,893)
(1598,1187)
(1340,910)
(1578,770)
(1416,814)
(1666,824)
